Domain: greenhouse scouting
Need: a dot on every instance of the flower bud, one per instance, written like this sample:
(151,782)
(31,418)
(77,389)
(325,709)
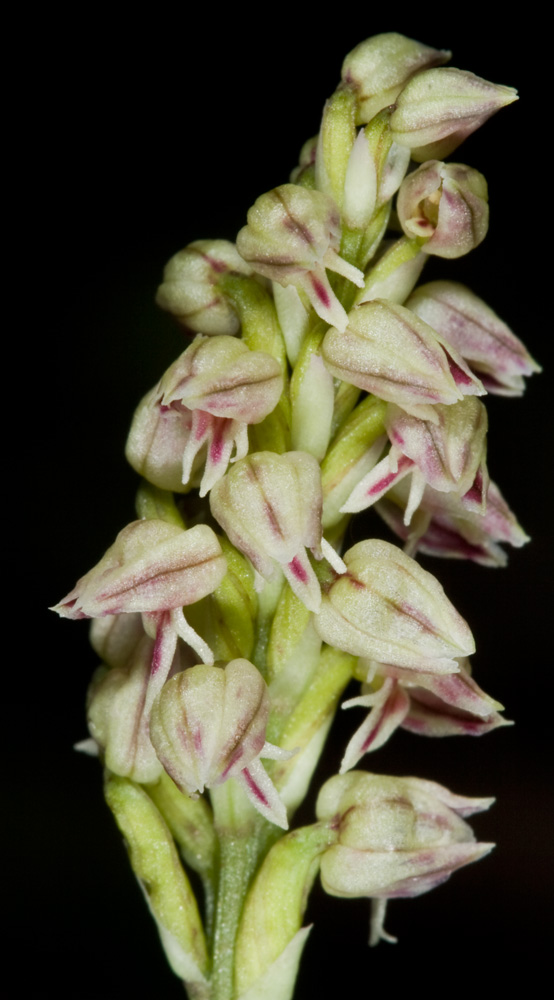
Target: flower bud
(378,68)
(394,275)
(154,568)
(208,724)
(397,837)
(190,286)
(270,507)
(446,205)
(292,235)
(439,108)
(387,608)
(497,356)
(388,351)
(337,135)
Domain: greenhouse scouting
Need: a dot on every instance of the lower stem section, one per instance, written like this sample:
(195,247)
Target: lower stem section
(239,858)
(241,844)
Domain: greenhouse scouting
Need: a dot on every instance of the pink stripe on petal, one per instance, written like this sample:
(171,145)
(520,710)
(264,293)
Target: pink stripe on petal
(157,654)
(320,291)
(254,788)
(298,570)
(384,483)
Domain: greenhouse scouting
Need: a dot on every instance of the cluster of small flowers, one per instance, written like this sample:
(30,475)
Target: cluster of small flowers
(318,383)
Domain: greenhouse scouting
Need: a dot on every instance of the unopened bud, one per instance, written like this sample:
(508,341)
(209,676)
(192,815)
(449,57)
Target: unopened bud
(378,68)
(190,287)
(439,108)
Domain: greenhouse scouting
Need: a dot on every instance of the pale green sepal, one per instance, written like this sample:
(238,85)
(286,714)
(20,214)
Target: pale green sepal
(334,502)
(273,433)
(190,822)
(346,397)
(360,188)
(287,632)
(374,234)
(395,274)
(153,502)
(261,332)
(334,671)
(379,175)
(260,326)
(226,617)
(155,862)
(293,318)
(379,140)
(294,785)
(312,398)
(336,139)
(276,902)
(278,981)
(305,725)
(354,448)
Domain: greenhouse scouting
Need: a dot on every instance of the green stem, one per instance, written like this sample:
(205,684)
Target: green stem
(243,840)
(239,858)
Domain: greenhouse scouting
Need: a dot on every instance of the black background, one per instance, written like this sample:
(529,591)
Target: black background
(135,140)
